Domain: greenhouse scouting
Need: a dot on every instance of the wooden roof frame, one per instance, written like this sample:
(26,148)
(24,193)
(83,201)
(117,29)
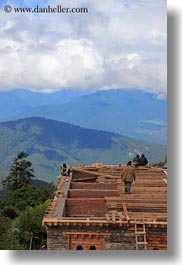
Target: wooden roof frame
(121,214)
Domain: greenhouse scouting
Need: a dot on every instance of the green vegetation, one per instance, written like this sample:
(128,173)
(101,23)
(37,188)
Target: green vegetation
(160,163)
(20,173)
(22,208)
(50,143)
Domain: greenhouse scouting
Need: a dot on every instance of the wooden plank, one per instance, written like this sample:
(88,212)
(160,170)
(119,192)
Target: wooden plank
(59,221)
(126,211)
(134,196)
(107,217)
(85,179)
(121,216)
(146,207)
(142,189)
(80,215)
(113,217)
(92,173)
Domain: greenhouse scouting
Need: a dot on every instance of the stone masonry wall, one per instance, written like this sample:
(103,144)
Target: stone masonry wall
(157,239)
(56,240)
(120,238)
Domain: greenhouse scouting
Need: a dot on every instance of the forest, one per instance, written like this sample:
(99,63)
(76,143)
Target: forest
(22,206)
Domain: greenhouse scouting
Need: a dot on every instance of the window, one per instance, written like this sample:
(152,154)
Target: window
(92,248)
(79,247)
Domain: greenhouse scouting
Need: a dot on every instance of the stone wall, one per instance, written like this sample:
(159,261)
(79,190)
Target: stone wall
(56,240)
(119,238)
(157,238)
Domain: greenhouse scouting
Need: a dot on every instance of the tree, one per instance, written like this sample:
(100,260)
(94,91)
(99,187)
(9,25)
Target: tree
(8,239)
(29,229)
(20,173)
(20,198)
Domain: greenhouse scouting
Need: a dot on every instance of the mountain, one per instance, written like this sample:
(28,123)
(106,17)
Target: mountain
(14,102)
(133,113)
(49,143)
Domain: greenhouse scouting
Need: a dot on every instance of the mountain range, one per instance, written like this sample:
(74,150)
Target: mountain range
(16,101)
(49,143)
(129,112)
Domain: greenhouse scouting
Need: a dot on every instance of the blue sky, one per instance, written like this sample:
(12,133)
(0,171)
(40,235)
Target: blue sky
(118,44)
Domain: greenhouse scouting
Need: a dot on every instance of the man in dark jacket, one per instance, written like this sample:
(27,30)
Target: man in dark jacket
(128,176)
(136,161)
(143,160)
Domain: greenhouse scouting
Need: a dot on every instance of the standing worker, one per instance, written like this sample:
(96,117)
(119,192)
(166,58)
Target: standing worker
(128,176)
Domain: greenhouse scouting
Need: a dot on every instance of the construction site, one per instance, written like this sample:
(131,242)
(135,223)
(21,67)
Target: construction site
(90,210)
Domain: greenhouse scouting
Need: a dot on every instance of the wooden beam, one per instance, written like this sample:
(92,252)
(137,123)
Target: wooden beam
(107,217)
(121,216)
(126,211)
(85,179)
(97,174)
(113,216)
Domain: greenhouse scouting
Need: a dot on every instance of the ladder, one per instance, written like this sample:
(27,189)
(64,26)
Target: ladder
(140,236)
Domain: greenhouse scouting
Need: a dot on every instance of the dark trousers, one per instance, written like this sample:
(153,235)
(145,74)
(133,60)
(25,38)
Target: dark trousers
(127,187)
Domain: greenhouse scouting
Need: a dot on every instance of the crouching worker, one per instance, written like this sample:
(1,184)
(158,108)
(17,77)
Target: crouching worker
(65,170)
(128,176)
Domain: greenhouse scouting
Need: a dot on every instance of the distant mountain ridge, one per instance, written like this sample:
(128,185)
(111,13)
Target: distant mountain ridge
(14,102)
(49,143)
(133,113)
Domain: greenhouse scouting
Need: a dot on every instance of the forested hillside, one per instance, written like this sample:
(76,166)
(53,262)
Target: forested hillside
(49,143)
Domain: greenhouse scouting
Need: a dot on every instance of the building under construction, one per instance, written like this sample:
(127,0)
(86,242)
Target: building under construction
(90,210)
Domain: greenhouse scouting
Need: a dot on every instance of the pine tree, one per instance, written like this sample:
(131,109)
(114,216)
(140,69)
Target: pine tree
(20,173)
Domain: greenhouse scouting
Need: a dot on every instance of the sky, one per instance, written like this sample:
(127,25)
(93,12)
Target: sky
(117,44)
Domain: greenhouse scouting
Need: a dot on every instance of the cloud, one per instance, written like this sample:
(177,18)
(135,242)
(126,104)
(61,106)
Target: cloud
(157,34)
(119,43)
(71,63)
(125,61)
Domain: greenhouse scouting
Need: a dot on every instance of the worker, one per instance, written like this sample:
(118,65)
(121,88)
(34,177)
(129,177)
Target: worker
(128,176)
(136,161)
(65,170)
(143,160)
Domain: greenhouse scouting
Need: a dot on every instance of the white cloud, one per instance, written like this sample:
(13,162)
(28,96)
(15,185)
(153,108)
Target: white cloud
(156,33)
(119,43)
(157,37)
(71,63)
(125,61)
(8,25)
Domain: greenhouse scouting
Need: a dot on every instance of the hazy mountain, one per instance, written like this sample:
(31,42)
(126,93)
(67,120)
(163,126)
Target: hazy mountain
(50,143)
(133,113)
(16,101)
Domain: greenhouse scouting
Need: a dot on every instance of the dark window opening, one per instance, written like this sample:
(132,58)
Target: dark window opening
(79,247)
(92,248)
